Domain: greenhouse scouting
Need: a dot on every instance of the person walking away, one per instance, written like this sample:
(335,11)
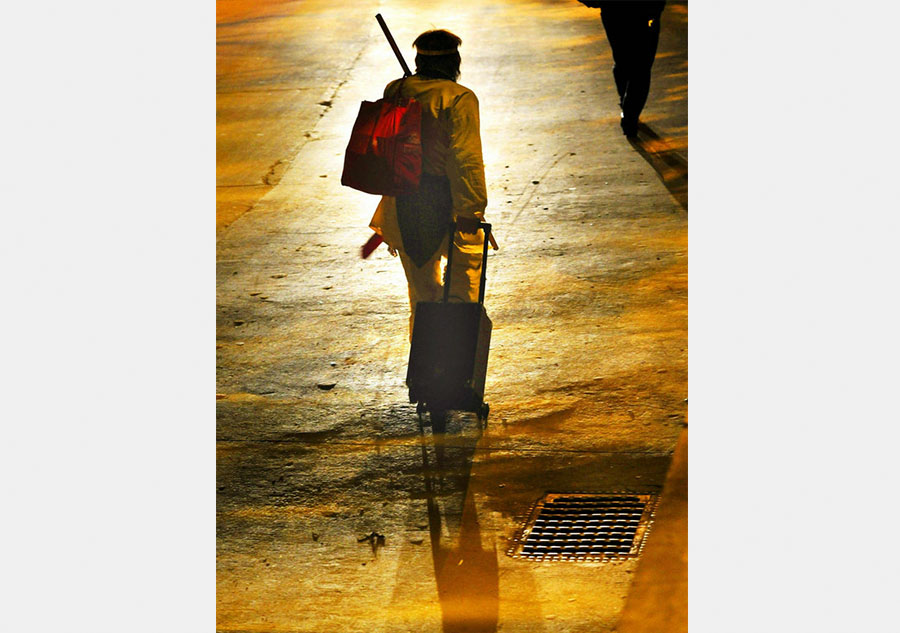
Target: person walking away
(415,225)
(632,28)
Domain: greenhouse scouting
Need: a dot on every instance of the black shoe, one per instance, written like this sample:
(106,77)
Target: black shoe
(629,126)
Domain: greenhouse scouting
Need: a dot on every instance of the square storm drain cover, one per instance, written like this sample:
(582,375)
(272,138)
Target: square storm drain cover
(585,527)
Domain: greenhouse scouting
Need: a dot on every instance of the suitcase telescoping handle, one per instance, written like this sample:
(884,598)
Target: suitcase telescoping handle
(486,227)
(390,39)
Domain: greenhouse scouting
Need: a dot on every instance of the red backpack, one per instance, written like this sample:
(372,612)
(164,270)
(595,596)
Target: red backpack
(384,155)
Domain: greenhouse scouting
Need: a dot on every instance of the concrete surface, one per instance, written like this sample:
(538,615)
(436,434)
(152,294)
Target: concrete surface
(336,511)
(658,597)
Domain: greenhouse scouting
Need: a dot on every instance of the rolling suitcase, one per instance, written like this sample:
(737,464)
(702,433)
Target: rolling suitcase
(449,351)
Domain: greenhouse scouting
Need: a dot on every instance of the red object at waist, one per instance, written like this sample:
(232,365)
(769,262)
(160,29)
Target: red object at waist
(369,247)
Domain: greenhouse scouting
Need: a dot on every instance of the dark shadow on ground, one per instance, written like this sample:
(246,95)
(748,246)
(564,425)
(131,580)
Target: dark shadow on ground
(466,573)
(668,163)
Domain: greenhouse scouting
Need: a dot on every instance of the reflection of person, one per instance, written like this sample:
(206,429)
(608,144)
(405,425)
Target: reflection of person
(416,225)
(465,562)
(632,28)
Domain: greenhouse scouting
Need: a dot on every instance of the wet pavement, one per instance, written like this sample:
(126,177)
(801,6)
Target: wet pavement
(337,508)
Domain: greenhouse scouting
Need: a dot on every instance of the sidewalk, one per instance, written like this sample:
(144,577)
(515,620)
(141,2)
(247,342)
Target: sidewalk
(587,377)
(658,597)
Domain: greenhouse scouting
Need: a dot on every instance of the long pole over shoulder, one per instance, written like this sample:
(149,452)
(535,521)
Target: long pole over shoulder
(390,39)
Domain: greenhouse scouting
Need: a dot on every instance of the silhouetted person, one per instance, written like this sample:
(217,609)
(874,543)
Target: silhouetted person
(632,28)
(415,225)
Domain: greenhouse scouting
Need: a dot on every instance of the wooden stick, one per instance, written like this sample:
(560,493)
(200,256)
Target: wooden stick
(390,39)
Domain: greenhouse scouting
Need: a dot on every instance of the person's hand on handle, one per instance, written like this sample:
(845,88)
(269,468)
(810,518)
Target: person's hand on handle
(471,225)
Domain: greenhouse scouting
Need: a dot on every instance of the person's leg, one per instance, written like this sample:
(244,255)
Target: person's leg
(644,38)
(618,44)
(465,275)
(623,31)
(424,282)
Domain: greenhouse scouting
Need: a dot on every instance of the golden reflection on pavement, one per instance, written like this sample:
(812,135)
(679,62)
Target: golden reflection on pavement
(466,572)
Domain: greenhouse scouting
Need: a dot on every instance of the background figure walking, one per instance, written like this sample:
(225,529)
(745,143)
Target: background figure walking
(632,28)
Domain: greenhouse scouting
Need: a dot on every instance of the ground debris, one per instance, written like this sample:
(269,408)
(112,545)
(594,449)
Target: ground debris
(326,386)
(375,539)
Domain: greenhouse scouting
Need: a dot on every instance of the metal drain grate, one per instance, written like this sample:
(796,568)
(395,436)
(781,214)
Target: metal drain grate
(585,527)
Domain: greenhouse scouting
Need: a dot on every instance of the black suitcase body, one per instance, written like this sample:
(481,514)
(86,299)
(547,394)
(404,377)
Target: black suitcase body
(449,351)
